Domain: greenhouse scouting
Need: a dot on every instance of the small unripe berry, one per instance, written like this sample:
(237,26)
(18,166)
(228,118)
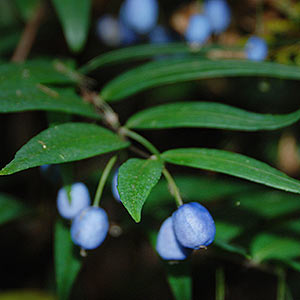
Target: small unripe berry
(256,49)
(167,245)
(198,30)
(140,15)
(80,199)
(114,186)
(218,13)
(193,225)
(90,228)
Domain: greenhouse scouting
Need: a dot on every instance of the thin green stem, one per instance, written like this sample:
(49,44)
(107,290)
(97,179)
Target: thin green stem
(220,284)
(173,187)
(135,136)
(281,285)
(103,179)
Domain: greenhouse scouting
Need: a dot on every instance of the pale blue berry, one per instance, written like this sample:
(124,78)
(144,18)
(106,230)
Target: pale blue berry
(89,228)
(193,225)
(108,30)
(198,30)
(256,49)
(218,13)
(167,245)
(80,199)
(114,186)
(140,15)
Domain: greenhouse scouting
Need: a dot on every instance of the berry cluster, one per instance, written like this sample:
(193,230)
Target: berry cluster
(190,227)
(89,224)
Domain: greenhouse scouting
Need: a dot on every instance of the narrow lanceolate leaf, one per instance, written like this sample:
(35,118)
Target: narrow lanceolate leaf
(267,246)
(136,179)
(67,262)
(159,73)
(139,52)
(74,16)
(27,8)
(26,97)
(233,164)
(208,115)
(64,143)
(11,208)
(39,71)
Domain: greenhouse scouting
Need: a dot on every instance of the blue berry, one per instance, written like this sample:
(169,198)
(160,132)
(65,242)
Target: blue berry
(90,228)
(256,49)
(108,30)
(159,35)
(80,199)
(198,30)
(139,15)
(218,13)
(193,225)
(114,185)
(167,245)
(128,36)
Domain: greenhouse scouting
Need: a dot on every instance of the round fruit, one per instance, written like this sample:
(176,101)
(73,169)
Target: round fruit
(159,35)
(193,225)
(198,30)
(80,199)
(90,228)
(114,186)
(218,13)
(167,245)
(256,49)
(108,30)
(140,15)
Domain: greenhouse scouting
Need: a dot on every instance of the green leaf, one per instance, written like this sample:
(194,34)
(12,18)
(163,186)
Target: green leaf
(27,8)
(26,294)
(74,16)
(169,71)
(139,52)
(136,179)
(226,232)
(231,248)
(232,164)
(267,246)
(64,143)
(39,97)
(269,204)
(67,263)
(36,71)
(208,115)
(11,208)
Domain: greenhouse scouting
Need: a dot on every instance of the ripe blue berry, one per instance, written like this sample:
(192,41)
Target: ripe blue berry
(218,13)
(128,36)
(159,35)
(167,245)
(108,30)
(80,199)
(256,49)
(193,225)
(198,30)
(140,15)
(90,228)
(114,185)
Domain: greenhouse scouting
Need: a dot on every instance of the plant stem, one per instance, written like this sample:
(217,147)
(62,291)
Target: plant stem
(103,179)
(281,287)
(135,136)
(173,187)
(220,284)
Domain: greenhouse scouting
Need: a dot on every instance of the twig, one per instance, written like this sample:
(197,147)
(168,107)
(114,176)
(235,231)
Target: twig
(29,34)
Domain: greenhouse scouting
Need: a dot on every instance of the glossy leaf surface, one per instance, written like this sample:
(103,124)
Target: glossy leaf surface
(232,164)
(136,179)
(208,115)
(169,71)
(64,143)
